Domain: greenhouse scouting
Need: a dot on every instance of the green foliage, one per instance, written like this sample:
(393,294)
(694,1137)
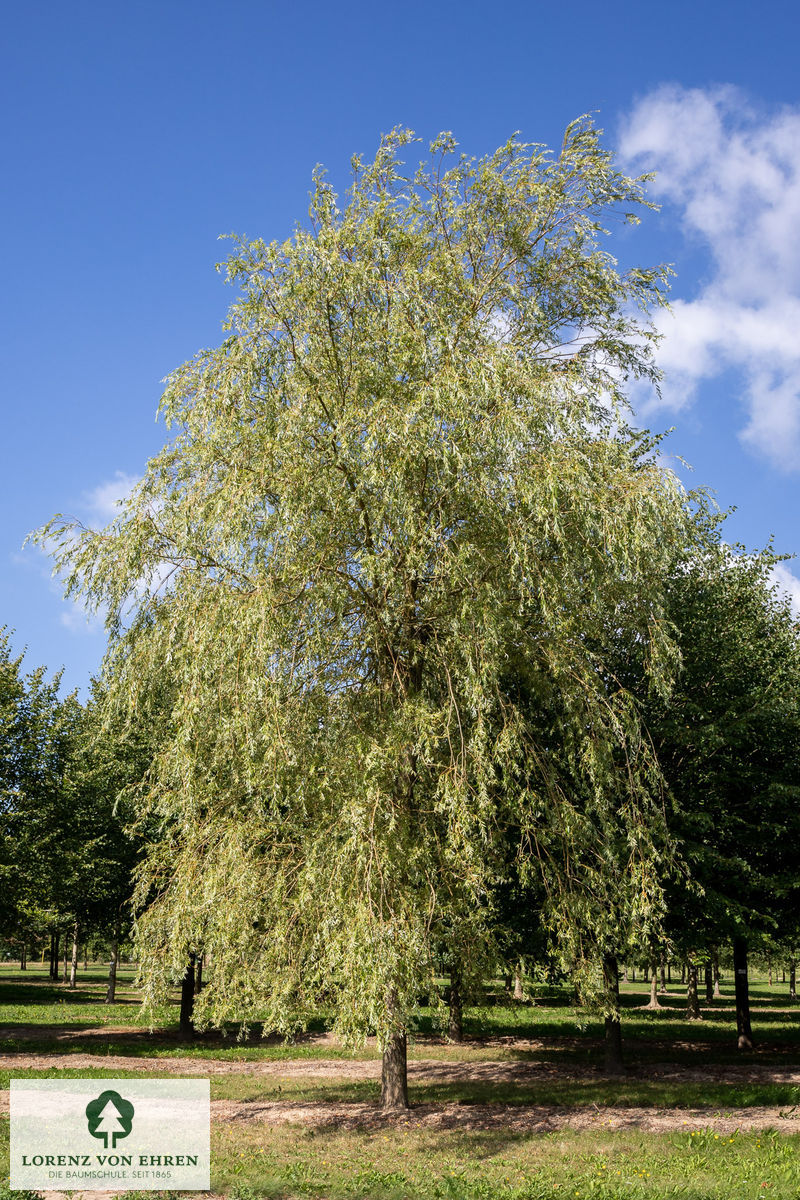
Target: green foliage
(729,746)
(403,479)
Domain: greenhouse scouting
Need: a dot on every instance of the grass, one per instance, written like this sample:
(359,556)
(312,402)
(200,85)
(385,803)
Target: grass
(496,1165)
(415,1160)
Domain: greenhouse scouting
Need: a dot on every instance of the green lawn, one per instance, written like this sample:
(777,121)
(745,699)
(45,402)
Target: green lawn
(412,1159)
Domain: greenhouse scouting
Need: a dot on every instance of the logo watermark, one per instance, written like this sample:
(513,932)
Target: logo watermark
(110,1135)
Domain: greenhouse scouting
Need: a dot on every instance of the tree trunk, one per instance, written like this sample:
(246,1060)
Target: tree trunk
(709,973)
(633,974)
(455,1024)
(187,1001)
(73,971)
(394,1067)
(715,965)
(198,976)
(614,1064)
(793,980)
(518,992)
(86,958)
(55,941)
(111,990)
(625,973)
(663,987)
(683,972)
(744,1032)
(653,1001)
(23,957)
(692,1000)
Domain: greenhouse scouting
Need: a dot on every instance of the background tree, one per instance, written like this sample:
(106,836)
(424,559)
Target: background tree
(407,463)
(729,745)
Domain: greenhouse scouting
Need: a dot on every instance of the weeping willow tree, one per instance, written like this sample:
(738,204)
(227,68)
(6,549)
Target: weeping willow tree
(403,476)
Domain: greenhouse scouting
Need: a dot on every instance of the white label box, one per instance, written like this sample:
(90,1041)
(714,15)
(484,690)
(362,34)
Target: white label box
(106,1135)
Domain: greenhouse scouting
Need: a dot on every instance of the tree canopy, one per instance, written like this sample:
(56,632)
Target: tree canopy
(400,517)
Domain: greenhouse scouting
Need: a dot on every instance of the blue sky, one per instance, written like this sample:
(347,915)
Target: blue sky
(133,136)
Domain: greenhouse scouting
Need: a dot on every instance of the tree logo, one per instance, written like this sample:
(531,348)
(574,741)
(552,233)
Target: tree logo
(109,1116)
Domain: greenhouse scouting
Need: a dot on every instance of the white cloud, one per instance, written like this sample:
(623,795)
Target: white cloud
(101,504)
(733,174)
(97,508)
(787,583)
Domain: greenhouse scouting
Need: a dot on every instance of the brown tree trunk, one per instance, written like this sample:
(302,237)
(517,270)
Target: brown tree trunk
(625,973)
(455,1024)
(23,957)
(187,1001)
(715,965)
(394,1065)
(111,989)
(198,975)
(614,1064)
(663,987)
(55,938)
(519,994)
(683,973)
(692,1000)
(743,1029)
(709,973)
(793,980)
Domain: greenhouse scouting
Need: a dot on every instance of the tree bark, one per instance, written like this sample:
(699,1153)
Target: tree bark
(455,1024)
(614,1064)
(73,971)
(55,938)
(663,986)
(187,1001)
(709,973)
(692,999)
(793,980)
(683,972)
(111,990)
(653,1001)
(23,957)
(198,976)
(715,965)
(518,992)
(743,1029)
(394,1066)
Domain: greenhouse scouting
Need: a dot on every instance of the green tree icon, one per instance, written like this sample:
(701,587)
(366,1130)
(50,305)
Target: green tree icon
(109,1116)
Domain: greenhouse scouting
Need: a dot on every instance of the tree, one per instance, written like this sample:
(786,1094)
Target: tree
(729,745)
(404,473)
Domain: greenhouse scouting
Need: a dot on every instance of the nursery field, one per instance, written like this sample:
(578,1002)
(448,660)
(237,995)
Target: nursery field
(521,1110)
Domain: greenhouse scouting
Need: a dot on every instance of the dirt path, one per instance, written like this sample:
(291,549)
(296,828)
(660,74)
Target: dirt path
(421,1070)
(530,1118)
